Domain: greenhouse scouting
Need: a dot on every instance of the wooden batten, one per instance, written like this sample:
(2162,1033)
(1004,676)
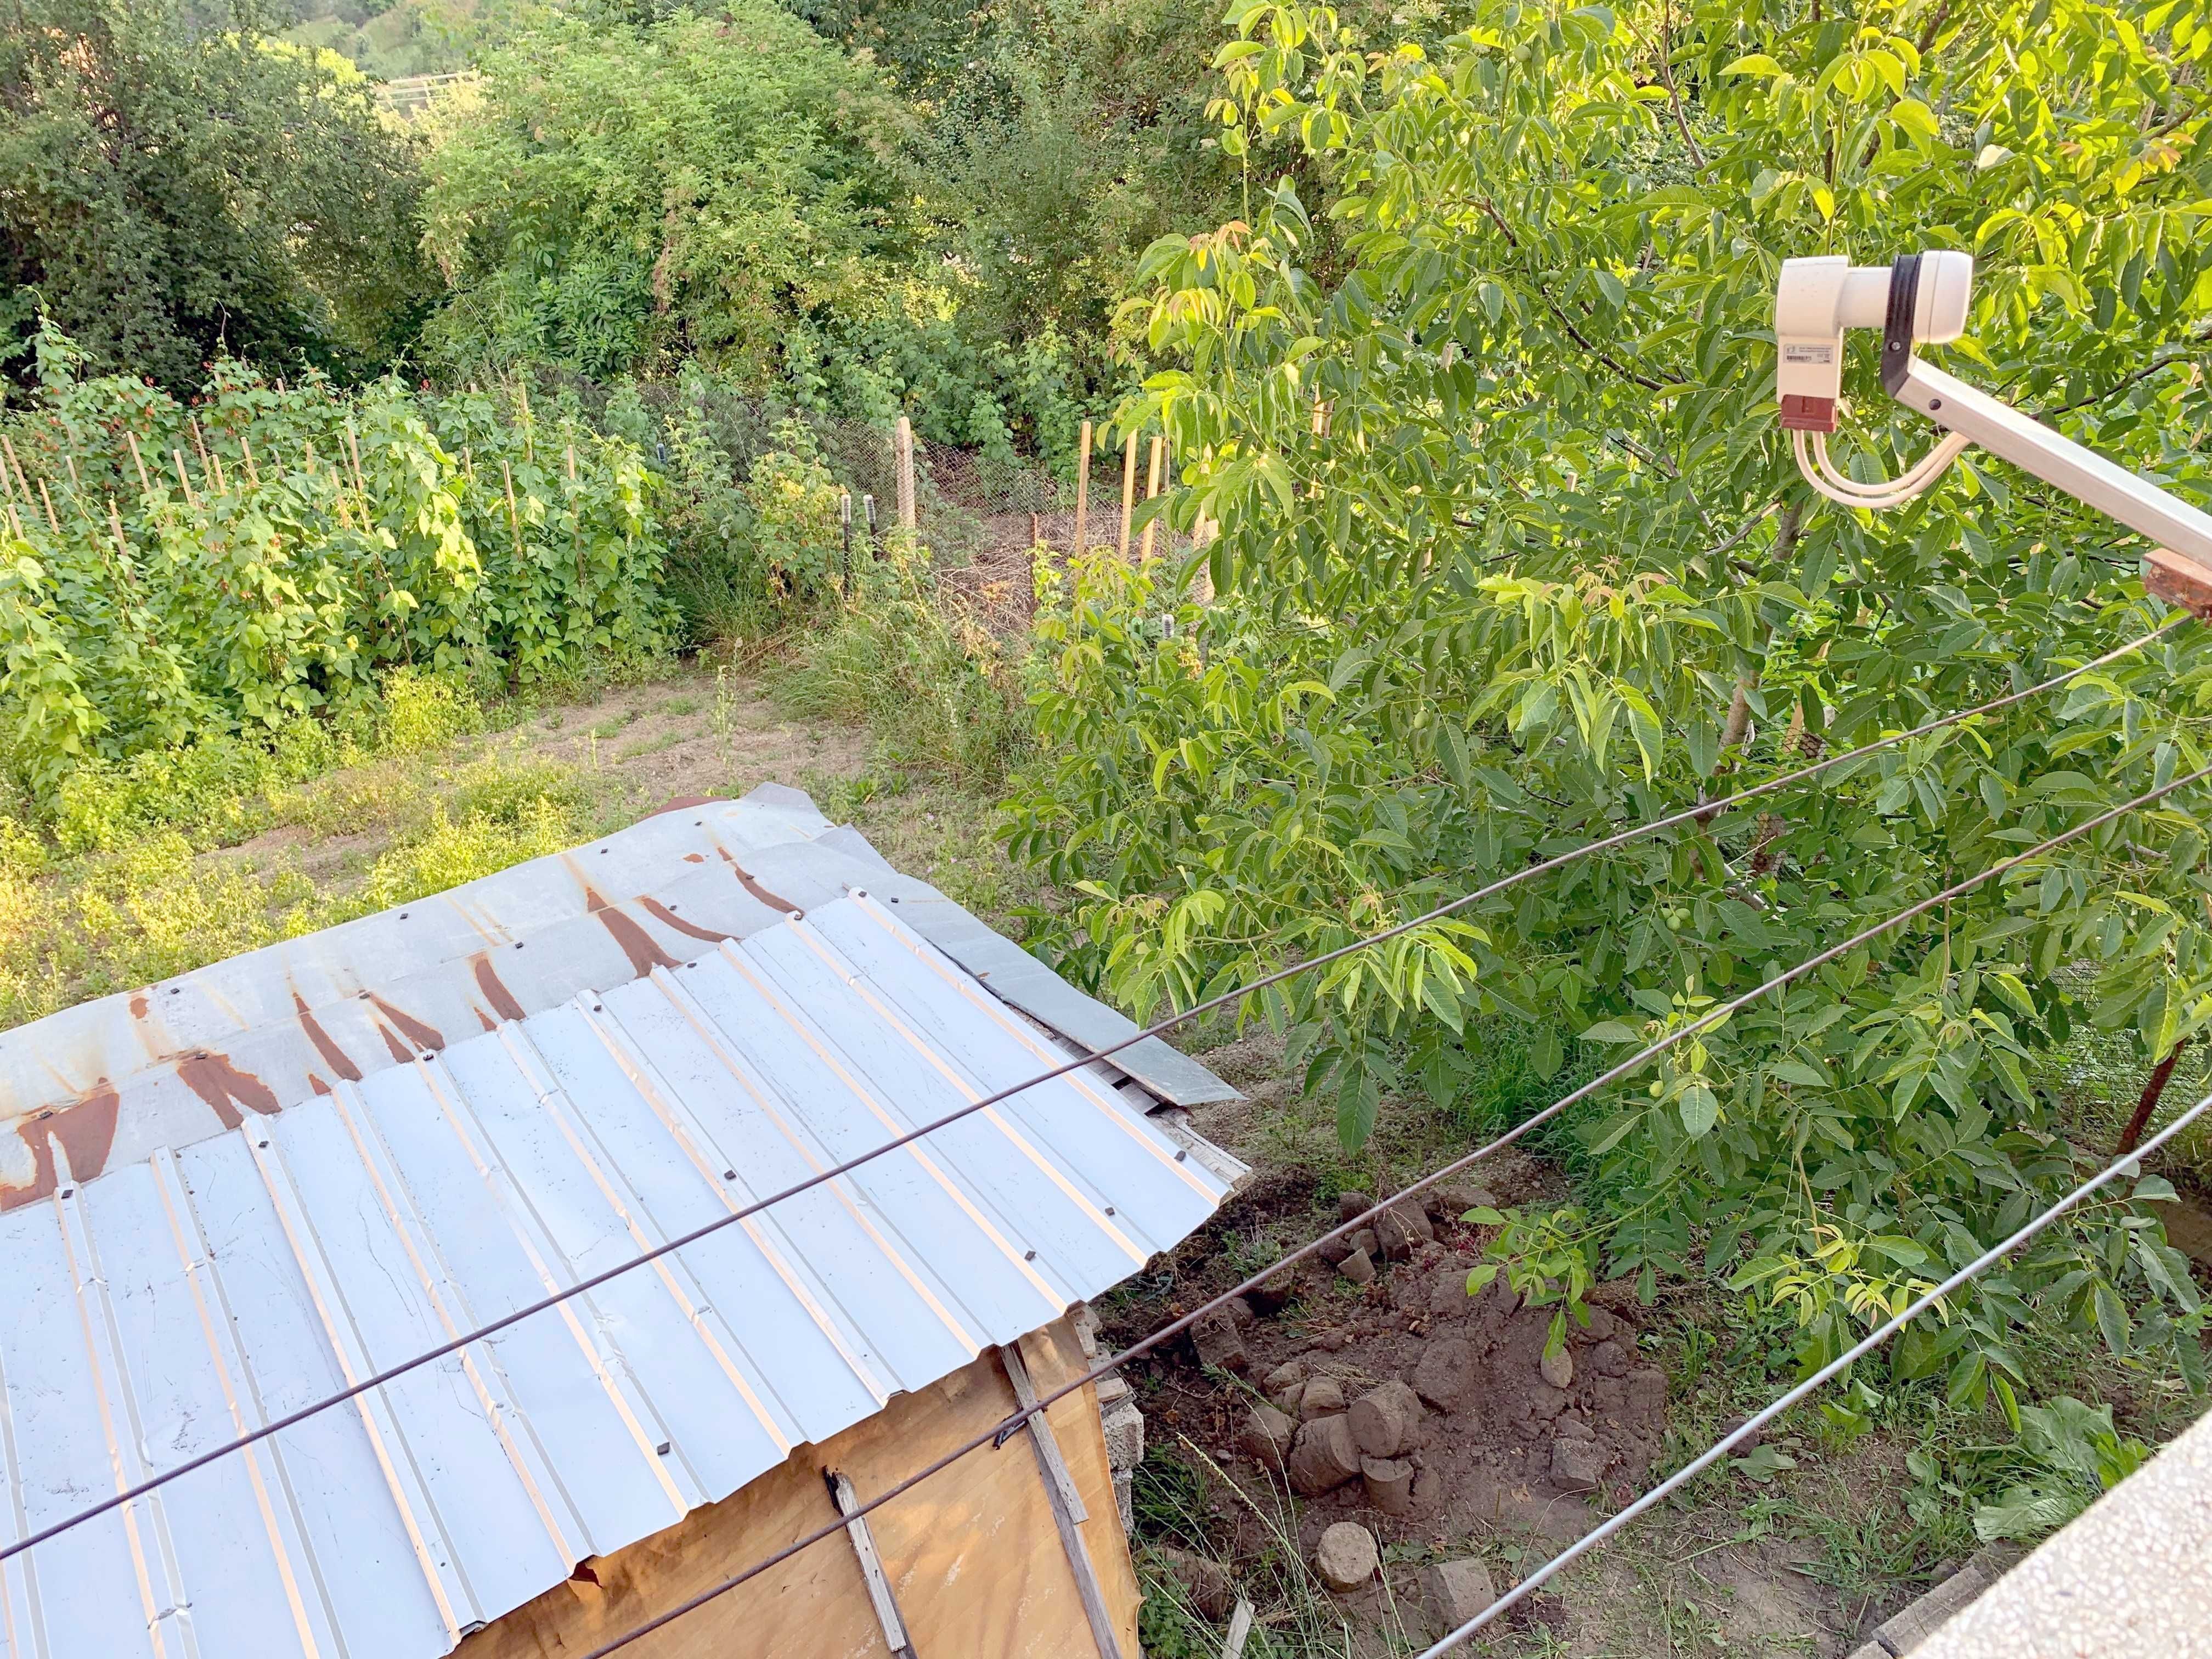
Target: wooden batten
(974,1554)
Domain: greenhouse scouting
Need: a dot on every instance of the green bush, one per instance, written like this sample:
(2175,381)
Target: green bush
(170,576)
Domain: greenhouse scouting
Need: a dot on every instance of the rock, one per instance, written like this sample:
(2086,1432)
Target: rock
(1240,1313)
(1359,1266)
(1332,1250)
(1602,1326)
(1125,1436)
(1276,1289)
(1455,1200)
(1578,1465)
(1609,1359)
(1428,1490)
(1455,1591)
(1323,1397)
(1734,1423)
(1212,1591)
(1570,1427)
(1647,1390)
(1383,1420)
(1364,1239)
(1291,1399)
(1112,1390)
(1124,1499)
(1556,1369)
(1290,1371)
(1390,1483)
(1447,1293)
(1402,1229)
(1219,1344)
(1323,1457)
(1443,1372)
(1349,1205)
(1547,1402)
(1267,1436)
(1347,1557)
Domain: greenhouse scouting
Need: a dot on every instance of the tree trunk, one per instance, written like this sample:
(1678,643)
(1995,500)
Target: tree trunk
(2152,1090)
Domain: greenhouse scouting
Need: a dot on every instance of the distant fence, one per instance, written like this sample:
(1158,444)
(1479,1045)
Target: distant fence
(412,95)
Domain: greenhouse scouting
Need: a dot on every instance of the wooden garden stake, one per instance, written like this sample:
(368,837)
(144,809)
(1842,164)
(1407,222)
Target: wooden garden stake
(1152,491)
(184,480)
(514,519)
(1129,492)
(214,463)
(76,482)
(1082,486)
(145,484)
(21,477)
(50,520)
(252,472)
(199,442)
(903,446)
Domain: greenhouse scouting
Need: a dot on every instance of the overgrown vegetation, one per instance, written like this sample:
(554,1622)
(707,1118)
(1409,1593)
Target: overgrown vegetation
(1510,557)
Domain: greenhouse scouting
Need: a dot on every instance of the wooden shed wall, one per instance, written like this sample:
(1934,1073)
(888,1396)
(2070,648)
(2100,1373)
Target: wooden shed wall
(973,1555)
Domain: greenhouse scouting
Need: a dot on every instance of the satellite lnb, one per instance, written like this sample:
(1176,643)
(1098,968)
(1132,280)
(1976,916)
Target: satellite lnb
(1921,298)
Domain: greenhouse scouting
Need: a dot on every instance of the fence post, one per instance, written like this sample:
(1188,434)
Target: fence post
(845,521)
(1082,486)
(903,443)
(1128,492)
(1152,491)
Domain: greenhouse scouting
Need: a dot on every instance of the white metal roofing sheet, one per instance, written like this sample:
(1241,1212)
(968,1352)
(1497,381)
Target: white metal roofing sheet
(169,1305)
(113,1080)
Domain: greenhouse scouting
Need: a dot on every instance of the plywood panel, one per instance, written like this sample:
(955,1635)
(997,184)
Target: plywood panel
(974,1558)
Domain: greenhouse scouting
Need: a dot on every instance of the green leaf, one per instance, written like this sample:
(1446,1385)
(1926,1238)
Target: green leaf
(1700,1108)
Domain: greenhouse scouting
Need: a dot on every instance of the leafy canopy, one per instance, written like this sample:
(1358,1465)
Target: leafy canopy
(176,185)
(1510,557)
(622,195)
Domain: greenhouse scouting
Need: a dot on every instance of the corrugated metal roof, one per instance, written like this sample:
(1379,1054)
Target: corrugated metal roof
(114,1080)
(170,1305)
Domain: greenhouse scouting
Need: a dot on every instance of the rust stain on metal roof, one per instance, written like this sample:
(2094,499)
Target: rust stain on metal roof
(645,955)
(400,1051)
(661,913)
(495,989)
(137,1005)
(421,1033)
(86,1131)
(225,1088)
(325,1045)
(772,900)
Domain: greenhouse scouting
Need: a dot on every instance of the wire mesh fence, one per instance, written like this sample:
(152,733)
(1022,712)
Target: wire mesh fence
(980,514)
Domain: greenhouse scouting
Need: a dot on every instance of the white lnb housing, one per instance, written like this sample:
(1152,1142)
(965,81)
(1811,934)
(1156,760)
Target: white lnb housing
(1818,298)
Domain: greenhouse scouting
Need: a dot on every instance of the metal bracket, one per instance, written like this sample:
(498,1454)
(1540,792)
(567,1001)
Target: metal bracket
(1897,338)
(2178,581)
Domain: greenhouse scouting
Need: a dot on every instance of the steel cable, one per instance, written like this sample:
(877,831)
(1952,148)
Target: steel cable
(1704,1021)
(1874,1339)
(1704,812)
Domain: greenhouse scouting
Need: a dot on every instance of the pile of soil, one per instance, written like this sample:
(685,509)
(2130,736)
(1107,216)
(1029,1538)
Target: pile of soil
(1491,1443)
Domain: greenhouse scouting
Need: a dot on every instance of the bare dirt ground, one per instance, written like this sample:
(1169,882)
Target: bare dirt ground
(1499,1462)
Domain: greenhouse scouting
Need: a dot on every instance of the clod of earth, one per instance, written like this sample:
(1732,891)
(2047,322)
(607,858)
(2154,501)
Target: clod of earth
(1359,1266)
(1218,1342)
(1349,1205)
(1323,1457)
(1322,1396)
(1276,1289)
(1347,1557)
(1266,1436)
(1286,1376)
(1578,1465)
(1402,1229)
(1389,1483)
(1365,1241)
(1558,1369)
(1384,1420)
(1455,1591)
(1442,1373)
(1212,1591)
(1609,1358)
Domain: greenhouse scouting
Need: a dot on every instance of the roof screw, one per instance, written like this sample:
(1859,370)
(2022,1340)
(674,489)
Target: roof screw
(663,1448)
(1109,1209)
(1029,1256)
(69,1192)
(729,1175)
(263,1145)
(1180,1154)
